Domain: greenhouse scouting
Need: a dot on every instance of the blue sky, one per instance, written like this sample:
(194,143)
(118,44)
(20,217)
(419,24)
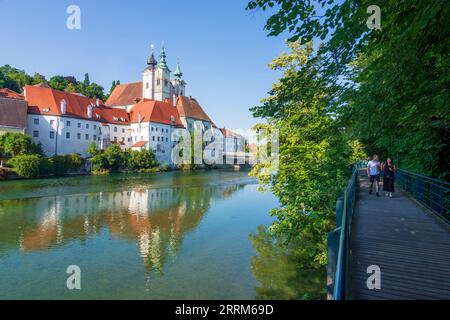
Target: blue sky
(223,49)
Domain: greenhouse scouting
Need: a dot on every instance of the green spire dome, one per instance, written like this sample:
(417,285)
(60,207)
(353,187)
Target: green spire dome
(162,59)
(178,74)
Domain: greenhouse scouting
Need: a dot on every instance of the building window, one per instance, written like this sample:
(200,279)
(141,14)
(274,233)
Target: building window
(153,138)
(158,139)
(79,124)
(152,128)
(115,129)
(67,135)
(167,139)
(87,125)
(78,136)
(95,127)
(52,134)
(147,85)
(156,129)
(87,137)
(123,139)
(123,130)
(95,137)
(158,82)
(52,122)
(36,134)
(68,123)
(115,139)
(36,121)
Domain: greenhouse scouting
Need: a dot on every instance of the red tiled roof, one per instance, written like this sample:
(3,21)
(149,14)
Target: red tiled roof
(189,107)
(47,101)
(125,94)
(139,144)
(228,133)
(8,93)
(13,112)
(155,111)
(42,85)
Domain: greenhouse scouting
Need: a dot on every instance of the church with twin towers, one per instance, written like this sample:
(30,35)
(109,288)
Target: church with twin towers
(139,115)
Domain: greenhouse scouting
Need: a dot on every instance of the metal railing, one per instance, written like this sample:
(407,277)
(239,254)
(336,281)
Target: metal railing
(339,240)
(433,193)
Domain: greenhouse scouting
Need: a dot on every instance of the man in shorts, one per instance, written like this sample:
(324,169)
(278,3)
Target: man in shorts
(373,172)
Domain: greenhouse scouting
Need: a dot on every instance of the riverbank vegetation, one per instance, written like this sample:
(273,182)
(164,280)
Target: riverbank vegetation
(361,91)
(114,159)
(15,79)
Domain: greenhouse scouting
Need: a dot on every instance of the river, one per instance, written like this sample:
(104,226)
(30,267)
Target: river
(173,235)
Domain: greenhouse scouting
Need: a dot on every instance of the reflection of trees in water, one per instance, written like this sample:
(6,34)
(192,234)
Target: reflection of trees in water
(156,219)
(286,271)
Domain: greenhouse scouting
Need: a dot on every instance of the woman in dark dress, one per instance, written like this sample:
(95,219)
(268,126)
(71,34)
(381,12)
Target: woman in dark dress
(389,177)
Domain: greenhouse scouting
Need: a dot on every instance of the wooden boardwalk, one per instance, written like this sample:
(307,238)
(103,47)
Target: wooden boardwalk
(410,245)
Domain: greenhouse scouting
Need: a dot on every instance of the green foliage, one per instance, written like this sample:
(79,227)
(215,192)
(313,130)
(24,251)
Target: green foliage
(13,144)
(141,160)
(64,164)
(394,82)
(286,272)
(29,165)
(100,163)
(315,153)
(93,149)
(15,79)
(116,157)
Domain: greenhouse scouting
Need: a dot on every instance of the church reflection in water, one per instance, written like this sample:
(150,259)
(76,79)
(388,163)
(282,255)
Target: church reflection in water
(156,219)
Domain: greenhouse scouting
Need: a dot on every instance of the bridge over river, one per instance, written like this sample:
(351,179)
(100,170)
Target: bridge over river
(407,237)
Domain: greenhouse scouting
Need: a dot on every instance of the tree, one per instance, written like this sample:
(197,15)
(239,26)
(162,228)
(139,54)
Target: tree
(86,81)
(94,91)
(28,165)
(398,75)
(58,83)
(115,157)
(14,144)
(38,78)
(315,152)
(93,149)
(143,159)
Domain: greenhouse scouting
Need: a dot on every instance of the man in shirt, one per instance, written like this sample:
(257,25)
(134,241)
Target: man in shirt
(373,172)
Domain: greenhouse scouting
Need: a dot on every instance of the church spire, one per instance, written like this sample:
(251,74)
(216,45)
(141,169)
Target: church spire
(162,59)
(152,61)
(178,74)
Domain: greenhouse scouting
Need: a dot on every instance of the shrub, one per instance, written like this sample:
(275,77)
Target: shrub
(66,163)
(116,157)
(93,149)
(141,160)
(100,163)
(13,144)
(29,165)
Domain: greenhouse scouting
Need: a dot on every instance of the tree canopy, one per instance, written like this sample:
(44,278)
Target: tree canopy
(394,81)
(16,79)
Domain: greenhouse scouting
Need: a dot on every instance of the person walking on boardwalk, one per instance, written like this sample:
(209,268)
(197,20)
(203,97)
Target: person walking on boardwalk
(373,172)
(389,169)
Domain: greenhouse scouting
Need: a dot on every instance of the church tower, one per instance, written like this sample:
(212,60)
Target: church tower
(163,85)
(148,78)
(179,84)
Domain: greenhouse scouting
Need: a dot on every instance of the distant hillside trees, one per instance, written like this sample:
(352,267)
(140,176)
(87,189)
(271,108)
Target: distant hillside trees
(16,79)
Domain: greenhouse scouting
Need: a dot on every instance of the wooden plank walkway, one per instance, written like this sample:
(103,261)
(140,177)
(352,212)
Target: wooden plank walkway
(410,245)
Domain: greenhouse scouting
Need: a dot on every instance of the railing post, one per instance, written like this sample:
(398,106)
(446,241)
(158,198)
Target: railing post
(339,211)
(332,257)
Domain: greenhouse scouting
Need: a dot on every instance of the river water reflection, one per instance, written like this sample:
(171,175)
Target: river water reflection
(176,235)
